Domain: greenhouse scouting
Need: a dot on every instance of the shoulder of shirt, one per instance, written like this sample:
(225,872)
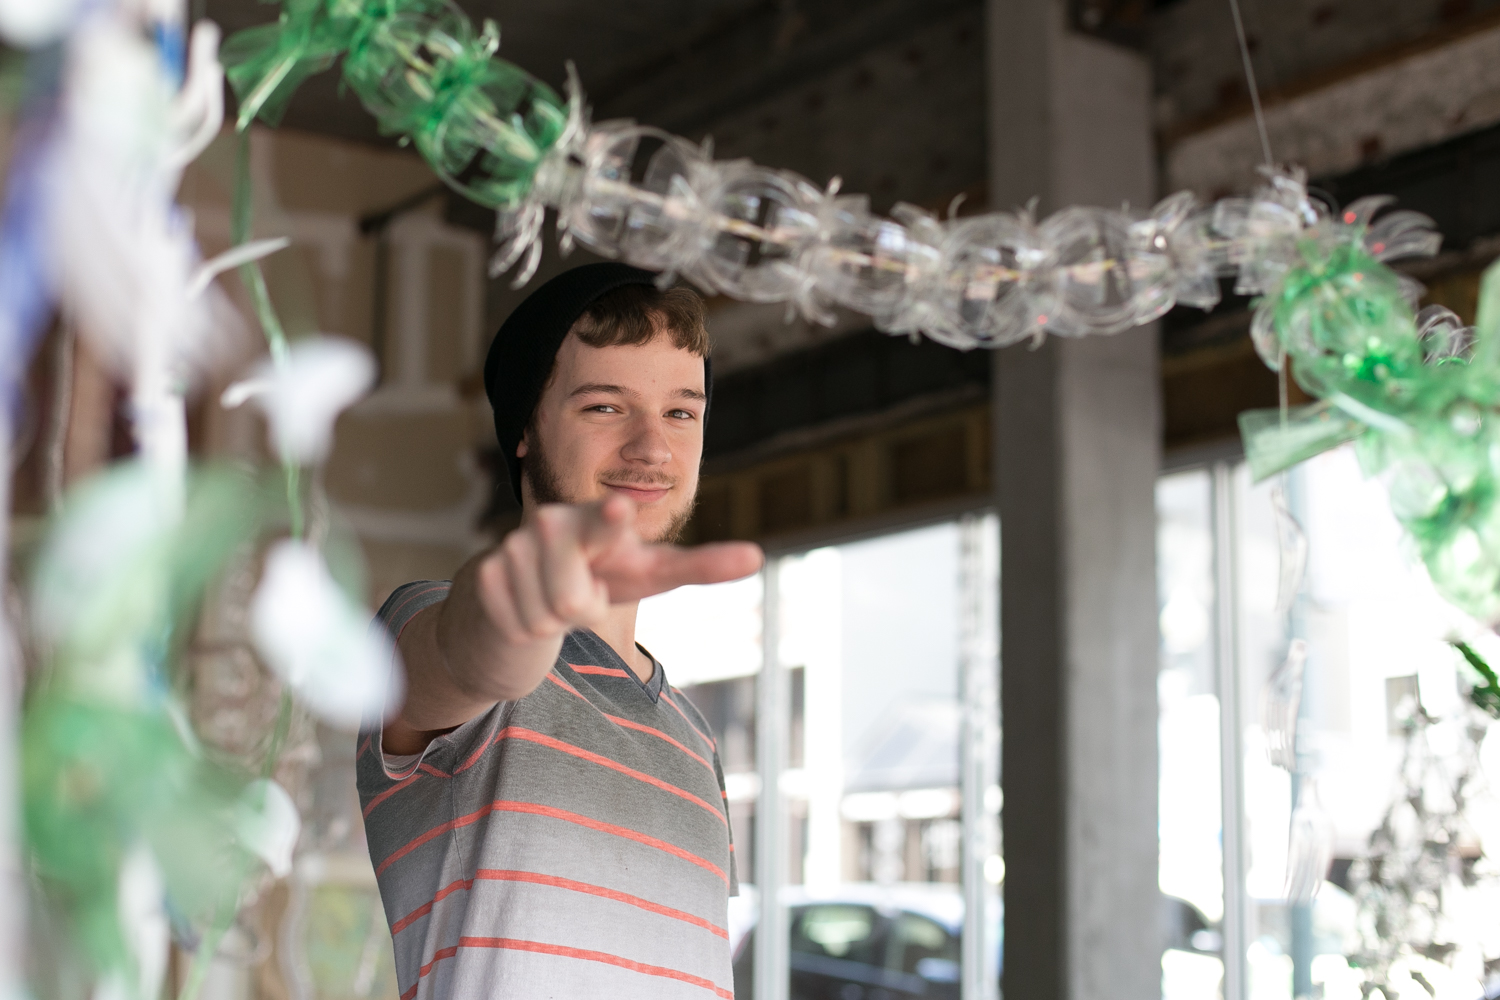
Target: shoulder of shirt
(686,704)
(408,599)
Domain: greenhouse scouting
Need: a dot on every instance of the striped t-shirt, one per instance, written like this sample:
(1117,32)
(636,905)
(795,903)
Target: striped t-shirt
(573,843)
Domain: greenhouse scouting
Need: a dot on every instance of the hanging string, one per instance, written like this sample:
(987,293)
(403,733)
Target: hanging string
(1260,117)
(1310,836)
(1265,148)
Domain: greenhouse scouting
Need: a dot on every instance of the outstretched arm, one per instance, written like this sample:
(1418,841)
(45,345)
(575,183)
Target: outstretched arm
(500,629)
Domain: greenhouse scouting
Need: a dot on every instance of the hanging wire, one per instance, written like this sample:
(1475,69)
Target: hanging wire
(1310,836)
(1260,117)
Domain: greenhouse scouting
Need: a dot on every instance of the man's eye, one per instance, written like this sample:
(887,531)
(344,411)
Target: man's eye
(602,408)
(682,414)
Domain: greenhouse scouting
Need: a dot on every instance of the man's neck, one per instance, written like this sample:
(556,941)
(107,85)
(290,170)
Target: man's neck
(618,630)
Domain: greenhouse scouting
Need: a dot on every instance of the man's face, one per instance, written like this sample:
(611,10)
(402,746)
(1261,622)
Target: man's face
(626,420)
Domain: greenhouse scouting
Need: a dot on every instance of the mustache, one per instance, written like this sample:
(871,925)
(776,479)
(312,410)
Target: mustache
(635,477)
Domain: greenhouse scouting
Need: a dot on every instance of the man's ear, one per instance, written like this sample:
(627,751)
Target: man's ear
(523,446)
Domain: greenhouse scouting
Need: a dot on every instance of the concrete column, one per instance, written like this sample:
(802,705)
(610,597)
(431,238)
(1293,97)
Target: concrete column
(1076,437)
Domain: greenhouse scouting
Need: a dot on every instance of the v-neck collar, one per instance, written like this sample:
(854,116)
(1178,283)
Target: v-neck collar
(607,656)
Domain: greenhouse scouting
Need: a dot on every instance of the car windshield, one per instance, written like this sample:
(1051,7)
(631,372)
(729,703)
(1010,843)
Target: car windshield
(837,931)
(914,939)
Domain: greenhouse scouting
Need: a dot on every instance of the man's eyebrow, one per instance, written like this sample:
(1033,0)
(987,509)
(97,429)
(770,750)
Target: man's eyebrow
(605,388)
(589,388)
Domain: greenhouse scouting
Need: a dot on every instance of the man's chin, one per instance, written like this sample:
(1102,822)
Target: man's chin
(664,526)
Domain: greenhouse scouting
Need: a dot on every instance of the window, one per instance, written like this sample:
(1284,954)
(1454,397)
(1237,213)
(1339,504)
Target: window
(881,776)
(1375,634)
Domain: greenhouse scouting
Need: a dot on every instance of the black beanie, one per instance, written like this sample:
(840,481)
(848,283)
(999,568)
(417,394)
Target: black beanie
(521,355)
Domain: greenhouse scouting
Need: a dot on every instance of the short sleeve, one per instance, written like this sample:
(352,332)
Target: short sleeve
(394,615)
(408,599)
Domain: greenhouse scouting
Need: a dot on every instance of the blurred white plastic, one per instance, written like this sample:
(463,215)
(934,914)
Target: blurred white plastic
(30,23)
(140,899)
(268,824)
(1281,704)
(303,395)
(320,642)
(1310,850)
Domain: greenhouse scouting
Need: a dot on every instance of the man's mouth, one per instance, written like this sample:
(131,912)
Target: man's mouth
(641,493)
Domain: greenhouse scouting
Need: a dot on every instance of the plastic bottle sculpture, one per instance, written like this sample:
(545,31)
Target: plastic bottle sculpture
(1417,389)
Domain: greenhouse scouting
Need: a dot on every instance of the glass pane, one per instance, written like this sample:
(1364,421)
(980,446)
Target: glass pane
(708,640)
(895,755)
(870,642)
(1189,803)
(1383,724)
(874,627)
(1262,639)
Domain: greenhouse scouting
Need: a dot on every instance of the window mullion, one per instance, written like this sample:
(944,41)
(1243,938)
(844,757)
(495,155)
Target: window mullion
(772,722)
(979,754)
(1231,751)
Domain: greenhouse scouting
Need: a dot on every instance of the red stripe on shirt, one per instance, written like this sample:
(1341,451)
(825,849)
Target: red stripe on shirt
(412,597)
(422,768)
(532,736)
(370,806)
(526,734)
(702,735)
(478,752)
(552,676)
(426,908)
(535,878)
(562,951)
(536,809)
(395,646)
(514,732)
(659,735)
(437,957)
(629,724)
(601,671)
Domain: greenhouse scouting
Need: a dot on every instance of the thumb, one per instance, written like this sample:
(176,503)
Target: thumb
(667,567)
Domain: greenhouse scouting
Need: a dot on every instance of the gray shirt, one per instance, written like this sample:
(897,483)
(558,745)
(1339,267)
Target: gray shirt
(573,843)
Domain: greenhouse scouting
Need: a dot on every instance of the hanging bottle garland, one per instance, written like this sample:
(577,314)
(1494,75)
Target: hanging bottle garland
(1418,390)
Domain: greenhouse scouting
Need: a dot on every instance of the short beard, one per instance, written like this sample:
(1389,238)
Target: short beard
(547,488)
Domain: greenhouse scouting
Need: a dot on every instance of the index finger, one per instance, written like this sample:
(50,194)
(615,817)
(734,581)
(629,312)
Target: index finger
(605,524)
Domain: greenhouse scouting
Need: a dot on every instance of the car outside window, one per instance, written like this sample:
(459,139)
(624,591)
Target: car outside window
(837,931)
(920,946)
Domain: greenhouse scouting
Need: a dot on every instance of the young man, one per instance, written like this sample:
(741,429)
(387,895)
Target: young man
(546,814)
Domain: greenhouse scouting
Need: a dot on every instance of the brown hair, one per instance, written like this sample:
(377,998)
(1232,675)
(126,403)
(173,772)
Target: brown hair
(634,314)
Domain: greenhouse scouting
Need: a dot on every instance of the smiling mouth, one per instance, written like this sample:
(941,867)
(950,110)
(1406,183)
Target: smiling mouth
(642,493)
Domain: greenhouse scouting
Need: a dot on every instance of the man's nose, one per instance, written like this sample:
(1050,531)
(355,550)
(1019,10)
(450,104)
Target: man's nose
(647,444)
